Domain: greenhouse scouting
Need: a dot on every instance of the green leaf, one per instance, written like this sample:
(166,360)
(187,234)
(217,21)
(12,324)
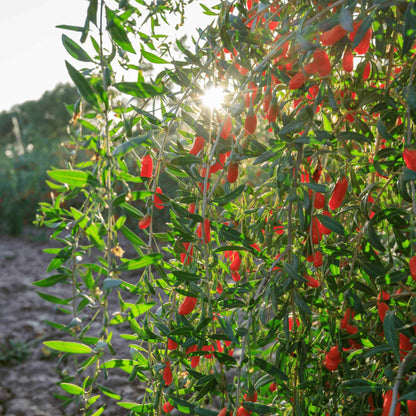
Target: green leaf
(110,283)
(351,135)
(372,237)
(317,187)
(185,160)
(154,59)
(302,305)
(75,50)
(389,326)
(50,281)
(134,407)
(260,409)
(140,262)
(186,276)
(204,412)
(361,386)
(270,369)
(141,89)
(71,347)
(409,29)
(92,11)
(72,388)
(108,392)
(365,25)
(117,31)
(123,148)
(225,199)
(54,299)
(182,405)
(73,178)
(132,237)
(84,88)
(345,20)
(331,223)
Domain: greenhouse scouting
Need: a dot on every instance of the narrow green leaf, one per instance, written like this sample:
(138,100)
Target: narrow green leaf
(108,392)
(186,276)
(361,386)
(332,224)
(50,281)
(123,148)
(71,347)
(345,20)
(75,50)
(84,88)
(134,407)
(140,262)
(72,388)
(117,31)
(225,199)
(204,412)
(270,369)
(389,327)
(132,237)
(54,299)
(351,135)
(182,405)
(154,59)
(140,89)
(73,178)
(365,25)
(260,409)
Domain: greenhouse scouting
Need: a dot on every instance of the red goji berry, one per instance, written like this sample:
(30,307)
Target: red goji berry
(158,202)
(297,81)
(317,260)
(382,309)
(187,305)
(388,398)
(412,267)
(241,411)
(199,144)
(411,407)
(167,373)
(316,232)
(364,44)
(172,345)
(272,387)
(348,60)
(232,173)
(332,36)
(236,262)
(323,65)
(145,222)
(226,128)
(338,194)
(312,282)
(310,68)
(367,70)
(250,123)
(167,407)
(223,412)
(147,167)
(409,156)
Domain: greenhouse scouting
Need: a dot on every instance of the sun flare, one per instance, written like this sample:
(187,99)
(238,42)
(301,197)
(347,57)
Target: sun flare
(213,97)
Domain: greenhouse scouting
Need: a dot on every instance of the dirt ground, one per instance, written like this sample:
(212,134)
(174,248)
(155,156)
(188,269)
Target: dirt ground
(29,373)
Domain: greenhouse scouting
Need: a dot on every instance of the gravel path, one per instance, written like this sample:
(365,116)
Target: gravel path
(28,372)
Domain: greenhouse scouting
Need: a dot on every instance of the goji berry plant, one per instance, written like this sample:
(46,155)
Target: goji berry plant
(283,280)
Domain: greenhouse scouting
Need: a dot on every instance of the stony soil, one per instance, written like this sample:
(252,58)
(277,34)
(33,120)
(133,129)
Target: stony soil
(29,373)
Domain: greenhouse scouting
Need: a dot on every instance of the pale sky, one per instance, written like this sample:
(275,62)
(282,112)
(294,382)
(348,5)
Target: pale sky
(32,57)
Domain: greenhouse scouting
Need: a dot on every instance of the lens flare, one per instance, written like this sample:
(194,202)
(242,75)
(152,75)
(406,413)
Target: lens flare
(213,97)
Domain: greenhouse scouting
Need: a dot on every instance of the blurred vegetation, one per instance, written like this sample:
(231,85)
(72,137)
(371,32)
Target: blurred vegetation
(30,143)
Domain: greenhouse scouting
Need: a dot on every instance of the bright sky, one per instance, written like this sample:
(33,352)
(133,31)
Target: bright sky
(32,57)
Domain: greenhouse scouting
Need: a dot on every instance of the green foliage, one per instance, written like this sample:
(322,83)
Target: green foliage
(283,281)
